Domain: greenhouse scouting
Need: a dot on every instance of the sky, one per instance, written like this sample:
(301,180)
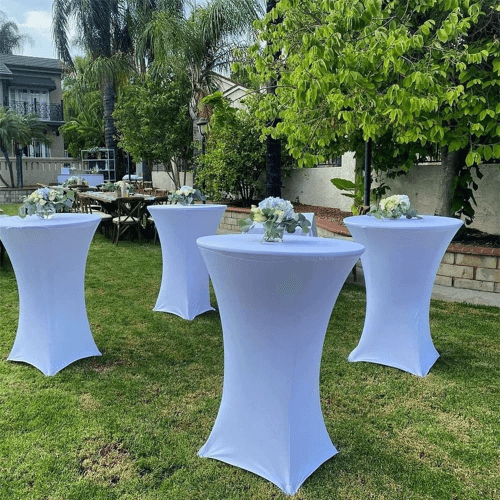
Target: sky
(34,18)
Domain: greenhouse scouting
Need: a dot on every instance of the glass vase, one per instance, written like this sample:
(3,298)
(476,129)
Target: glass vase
(46,211)
(273,234)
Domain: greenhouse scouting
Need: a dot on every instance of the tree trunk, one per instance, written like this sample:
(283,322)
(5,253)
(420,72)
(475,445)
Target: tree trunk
(451,163)
(273,170)
(108,100)
(146,170)
(9,166)
(19,167)
(273,146)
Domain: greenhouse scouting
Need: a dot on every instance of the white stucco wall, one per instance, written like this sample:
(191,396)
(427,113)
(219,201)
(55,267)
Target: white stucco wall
(161,180)
(312,186)
(422,182)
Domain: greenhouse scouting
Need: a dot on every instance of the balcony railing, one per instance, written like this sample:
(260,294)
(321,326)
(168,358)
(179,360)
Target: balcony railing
(45,111)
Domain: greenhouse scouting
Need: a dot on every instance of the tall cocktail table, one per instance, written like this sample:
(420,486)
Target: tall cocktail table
(49,258)
(275,301)
(184,285)
(400,263)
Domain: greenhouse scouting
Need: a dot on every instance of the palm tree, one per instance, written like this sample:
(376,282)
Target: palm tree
(103,31)
(201,42)
(10,128)
(31,129)
(10,39)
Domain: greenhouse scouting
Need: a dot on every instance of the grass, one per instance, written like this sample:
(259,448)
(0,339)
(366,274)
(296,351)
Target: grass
(128,424)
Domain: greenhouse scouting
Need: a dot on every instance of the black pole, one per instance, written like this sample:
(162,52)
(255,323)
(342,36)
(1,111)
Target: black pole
(273,146)
(128,158)
(368,171)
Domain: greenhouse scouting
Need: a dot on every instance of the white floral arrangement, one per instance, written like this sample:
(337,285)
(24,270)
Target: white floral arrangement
(123,186)
(71,181)
(46,199)
(394,207)
(186,195)
(276,215)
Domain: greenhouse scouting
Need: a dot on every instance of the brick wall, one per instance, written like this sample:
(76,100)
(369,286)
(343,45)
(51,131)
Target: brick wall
(474,268)
(13,195)
(470,267)
(229,221)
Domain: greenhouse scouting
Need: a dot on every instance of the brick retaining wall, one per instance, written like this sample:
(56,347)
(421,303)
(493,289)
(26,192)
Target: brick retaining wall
(473,268)
(13,195)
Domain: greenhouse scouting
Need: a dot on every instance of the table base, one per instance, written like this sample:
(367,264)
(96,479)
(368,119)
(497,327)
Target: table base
(400,343)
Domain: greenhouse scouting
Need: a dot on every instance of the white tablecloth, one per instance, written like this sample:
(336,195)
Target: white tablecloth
(184,285)
(400,263)
(92,179)
(49,257)
(275,301)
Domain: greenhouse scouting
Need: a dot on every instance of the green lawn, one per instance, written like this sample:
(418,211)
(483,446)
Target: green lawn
(128,424)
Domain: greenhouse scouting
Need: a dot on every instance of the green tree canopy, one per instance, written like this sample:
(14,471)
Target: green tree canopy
(425,71)
(83,111)
(153,122)
(235,159)
(199,43)
(18,130)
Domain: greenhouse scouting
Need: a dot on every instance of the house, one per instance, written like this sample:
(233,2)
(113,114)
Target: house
(33,85)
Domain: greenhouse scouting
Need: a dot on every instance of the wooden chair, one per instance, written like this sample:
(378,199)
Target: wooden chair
(129,217)
(147,187)
(86,208)
(159,200)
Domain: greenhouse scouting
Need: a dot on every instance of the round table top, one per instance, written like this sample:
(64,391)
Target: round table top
(178,206)
(426,222)
(245,245)
(58,220)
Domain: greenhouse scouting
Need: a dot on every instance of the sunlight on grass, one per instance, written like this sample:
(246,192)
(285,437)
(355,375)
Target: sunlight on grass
(128,424)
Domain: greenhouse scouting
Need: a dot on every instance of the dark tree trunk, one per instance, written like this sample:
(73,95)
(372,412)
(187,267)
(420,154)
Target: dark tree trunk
(451,164)
(19,167)
(273,146)
(9,166)
(108,100)
(146,170)
(273,170)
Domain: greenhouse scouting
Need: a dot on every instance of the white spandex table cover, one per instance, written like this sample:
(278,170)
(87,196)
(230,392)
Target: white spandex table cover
(184,285)
(400,263)
(49,257)
(275,301)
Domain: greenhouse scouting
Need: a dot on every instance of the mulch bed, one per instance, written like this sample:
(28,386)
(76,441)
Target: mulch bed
(467,237)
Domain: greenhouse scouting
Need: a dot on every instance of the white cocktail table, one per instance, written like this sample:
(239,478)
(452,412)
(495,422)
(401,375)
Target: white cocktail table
(400,263)
(184,285)
(49,258)
(275,301)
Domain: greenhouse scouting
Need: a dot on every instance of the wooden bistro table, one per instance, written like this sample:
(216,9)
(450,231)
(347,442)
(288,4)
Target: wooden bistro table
(49,257)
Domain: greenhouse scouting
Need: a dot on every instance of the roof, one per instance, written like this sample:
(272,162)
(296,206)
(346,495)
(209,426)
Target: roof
(4,70)
(46,83)
(8,60)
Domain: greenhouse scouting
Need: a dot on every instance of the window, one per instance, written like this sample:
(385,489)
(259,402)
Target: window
(37,150)
(27,101)
(336,162)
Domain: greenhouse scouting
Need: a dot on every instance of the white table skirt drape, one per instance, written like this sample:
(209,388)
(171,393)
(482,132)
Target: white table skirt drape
(275,301)
(400,263)
(49,258)
(184,287)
